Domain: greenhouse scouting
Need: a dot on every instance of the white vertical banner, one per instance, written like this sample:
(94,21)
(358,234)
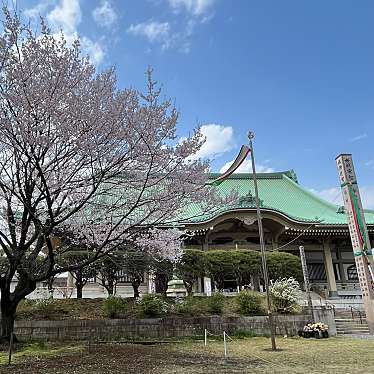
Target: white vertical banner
(208,286)
(358,232)
(151,282)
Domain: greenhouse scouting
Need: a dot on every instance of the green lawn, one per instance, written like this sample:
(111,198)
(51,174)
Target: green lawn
(38,350)
(250,355)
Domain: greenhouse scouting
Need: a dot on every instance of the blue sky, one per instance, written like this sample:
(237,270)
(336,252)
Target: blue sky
(300,74)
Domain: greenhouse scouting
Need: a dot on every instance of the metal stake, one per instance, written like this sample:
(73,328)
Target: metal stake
(225,344)
(251,135)
(10,347)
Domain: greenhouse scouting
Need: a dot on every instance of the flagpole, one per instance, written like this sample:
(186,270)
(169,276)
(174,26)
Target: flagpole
(251,135)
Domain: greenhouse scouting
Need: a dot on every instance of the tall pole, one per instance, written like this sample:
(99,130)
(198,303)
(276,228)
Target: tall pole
(306,281)
(251,135)
(359,234)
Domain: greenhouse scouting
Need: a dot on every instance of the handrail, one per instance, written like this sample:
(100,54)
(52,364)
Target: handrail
(331,305)
(327,304)
(359,313)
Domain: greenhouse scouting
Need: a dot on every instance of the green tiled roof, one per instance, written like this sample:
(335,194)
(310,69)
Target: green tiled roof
(278,192)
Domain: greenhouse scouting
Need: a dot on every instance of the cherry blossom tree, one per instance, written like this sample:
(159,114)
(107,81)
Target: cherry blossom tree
(81,158)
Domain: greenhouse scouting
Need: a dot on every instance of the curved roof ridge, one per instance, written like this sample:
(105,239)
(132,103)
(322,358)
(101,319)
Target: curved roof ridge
(271,175)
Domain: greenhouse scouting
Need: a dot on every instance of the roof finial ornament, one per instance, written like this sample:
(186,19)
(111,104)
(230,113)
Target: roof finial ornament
(251,135)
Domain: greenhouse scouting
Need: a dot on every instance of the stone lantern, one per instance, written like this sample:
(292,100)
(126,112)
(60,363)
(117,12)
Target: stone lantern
(176,288)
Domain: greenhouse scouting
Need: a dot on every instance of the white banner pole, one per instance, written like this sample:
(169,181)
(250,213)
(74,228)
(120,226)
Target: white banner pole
(358,232)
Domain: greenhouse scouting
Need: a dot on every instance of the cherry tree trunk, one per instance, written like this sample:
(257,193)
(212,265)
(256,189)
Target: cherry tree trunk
(79,290)
(110,289)
(8,315)
(135,286)
(219,282)
(161,283)
(109,286)
(9,302)
(79,284)
(189,287)
(255,280)
(50,281)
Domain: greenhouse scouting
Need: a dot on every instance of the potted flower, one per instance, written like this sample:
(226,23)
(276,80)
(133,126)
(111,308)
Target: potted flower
(315,330)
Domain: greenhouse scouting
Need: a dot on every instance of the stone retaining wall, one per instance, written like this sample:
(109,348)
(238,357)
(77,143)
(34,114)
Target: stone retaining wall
(155,327)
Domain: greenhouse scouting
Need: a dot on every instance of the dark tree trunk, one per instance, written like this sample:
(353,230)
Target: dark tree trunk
(255,280)
(135,286)
(7,326)
(189,287)
(8,315)
(109,286)
(50,285)
(161,283)
(79,284)
(220,282)
(8,304)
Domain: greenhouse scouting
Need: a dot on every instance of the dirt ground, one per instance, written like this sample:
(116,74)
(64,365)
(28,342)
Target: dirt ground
(295,355)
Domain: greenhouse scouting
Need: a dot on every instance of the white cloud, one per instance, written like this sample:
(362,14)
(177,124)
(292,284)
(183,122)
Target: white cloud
(194,7)
(93,49)
(65,17)
(180,34)
(246,167)
(359,137)
(367,195)
(218,139)
(38,9)
(153,31)
(161,33)
(334,195)
(104,15)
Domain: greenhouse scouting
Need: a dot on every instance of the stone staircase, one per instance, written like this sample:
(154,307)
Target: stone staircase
(351,322)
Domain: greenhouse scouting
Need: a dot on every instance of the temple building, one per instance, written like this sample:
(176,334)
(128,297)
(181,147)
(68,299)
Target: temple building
(292,216)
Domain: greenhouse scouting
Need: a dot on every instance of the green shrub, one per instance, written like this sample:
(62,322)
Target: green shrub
(43,308)
(152,306)
(216,303)
(249,302)
(114,307)
(25,308)
(284,265)
(189,306)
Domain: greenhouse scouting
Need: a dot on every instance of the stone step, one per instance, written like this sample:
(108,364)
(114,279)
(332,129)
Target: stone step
(349,315)
(349,319)
(346,325)
(352,328)
(350,324)
(345,329)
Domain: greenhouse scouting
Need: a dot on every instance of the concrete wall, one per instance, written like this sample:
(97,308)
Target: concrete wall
(155,327)
(325,315)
